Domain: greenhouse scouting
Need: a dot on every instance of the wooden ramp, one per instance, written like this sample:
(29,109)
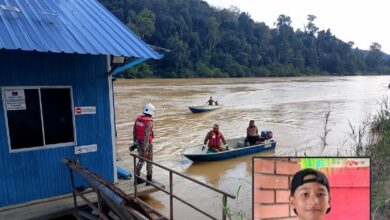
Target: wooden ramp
(63,205)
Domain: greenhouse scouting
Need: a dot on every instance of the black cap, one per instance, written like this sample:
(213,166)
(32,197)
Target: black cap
(298,180)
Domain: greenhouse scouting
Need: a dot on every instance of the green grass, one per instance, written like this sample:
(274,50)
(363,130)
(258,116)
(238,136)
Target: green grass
(380,181)
(379,151)
(233,213)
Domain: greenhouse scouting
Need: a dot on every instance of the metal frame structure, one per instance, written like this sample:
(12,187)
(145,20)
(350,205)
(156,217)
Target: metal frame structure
(170,192)
(121,204)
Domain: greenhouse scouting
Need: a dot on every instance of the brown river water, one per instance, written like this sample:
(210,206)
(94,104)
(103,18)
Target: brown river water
(293,108)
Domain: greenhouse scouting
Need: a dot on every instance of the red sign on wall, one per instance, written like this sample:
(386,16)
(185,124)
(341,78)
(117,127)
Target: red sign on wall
(85,110)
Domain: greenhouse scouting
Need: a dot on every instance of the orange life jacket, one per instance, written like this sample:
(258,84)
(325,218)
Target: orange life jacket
(140,127)
(215,139)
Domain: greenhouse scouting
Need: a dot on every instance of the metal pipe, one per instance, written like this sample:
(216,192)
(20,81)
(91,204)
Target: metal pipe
(123,205)
(97,185)
(224,207)
(128,65)
(186,177)
(89,203)
(183,201)
(73,188)
(170,195)
(99,203)
(135,178)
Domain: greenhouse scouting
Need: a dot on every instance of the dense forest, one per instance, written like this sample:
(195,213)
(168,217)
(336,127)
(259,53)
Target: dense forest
(210,42)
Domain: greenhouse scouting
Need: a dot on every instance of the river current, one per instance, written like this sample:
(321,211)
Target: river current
(293,109)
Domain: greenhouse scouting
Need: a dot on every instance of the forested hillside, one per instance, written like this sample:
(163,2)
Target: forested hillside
(209,42)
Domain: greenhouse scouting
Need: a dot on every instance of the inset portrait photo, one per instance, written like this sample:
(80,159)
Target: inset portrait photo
(311,188)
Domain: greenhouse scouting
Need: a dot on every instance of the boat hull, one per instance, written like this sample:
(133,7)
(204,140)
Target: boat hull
(205,108)
(234,152)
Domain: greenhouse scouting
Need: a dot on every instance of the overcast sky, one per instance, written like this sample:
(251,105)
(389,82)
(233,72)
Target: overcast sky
(360,21)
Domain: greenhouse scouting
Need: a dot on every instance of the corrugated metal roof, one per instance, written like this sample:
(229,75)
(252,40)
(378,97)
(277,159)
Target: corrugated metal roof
(69,26)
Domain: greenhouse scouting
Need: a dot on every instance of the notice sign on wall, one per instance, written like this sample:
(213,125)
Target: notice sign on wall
(85,110)
(85,149)
(15,99)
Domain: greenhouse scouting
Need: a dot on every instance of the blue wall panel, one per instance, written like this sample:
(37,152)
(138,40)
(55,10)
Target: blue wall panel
(37,174)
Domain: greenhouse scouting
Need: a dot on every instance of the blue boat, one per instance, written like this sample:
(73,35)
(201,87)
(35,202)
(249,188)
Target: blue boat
(236,147)
(204,108)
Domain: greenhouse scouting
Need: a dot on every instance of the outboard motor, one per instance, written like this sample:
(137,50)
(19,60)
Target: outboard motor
(266,135)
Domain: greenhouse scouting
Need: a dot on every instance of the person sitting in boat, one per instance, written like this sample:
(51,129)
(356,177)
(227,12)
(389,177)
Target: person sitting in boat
(252,135)
(211,101)
(214,139)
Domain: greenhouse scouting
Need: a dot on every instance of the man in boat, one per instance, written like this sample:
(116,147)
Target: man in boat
(309,194)
(143,138)
(252,135)
(211,101)
(213,140)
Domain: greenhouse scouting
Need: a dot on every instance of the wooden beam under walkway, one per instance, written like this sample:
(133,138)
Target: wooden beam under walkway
(63,205)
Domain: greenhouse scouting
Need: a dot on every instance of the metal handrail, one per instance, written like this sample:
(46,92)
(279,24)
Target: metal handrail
(170,192)
(122,205)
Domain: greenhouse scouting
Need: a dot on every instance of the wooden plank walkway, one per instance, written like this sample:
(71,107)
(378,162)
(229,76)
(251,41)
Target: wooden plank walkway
(63,205)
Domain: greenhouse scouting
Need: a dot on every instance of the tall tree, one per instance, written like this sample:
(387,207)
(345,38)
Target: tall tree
(311,28)
(143,23)
(374,59)
(210,42)
(282,36)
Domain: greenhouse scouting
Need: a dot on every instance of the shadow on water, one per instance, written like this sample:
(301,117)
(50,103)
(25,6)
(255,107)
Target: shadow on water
(210,171)
(214,171)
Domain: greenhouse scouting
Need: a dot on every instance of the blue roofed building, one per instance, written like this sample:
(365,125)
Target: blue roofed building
(56,59)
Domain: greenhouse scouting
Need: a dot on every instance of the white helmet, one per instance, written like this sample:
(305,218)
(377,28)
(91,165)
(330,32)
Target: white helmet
(149,109)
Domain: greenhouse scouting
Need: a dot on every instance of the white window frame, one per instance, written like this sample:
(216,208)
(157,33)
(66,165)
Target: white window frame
(67,144)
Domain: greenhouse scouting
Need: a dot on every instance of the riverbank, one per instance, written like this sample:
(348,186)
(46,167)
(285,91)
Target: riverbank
(379,151)
(266,75)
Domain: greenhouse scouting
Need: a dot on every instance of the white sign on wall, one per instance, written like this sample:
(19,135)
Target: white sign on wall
(85,149)
(85,110)
(15,99)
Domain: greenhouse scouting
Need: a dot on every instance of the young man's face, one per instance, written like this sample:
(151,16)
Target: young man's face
(310,200)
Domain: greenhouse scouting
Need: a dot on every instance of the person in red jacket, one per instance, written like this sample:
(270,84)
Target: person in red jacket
(143,138)
(214,138)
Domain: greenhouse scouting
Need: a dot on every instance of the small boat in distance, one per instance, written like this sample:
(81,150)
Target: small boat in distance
(236,146)
(204,108)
